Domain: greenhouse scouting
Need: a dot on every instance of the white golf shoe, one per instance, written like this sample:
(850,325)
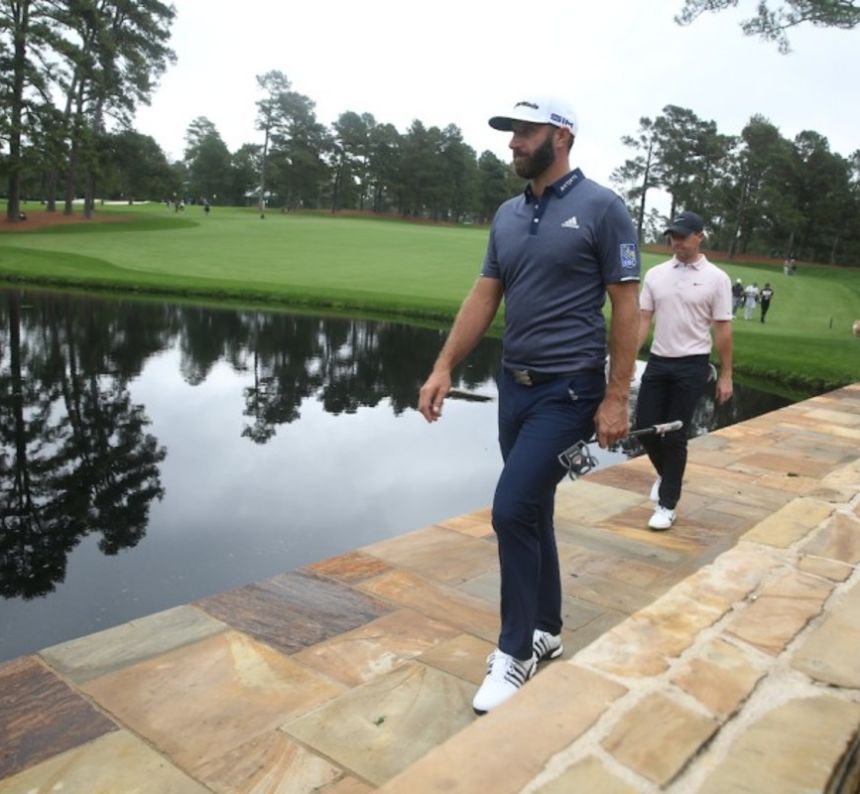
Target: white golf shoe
(505,675)
(546,646)
(655,490)
(663,518)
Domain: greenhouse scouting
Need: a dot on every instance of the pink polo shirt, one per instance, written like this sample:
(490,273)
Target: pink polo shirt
(685,300)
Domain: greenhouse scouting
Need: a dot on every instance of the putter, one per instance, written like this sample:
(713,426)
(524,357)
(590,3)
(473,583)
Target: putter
(578,460)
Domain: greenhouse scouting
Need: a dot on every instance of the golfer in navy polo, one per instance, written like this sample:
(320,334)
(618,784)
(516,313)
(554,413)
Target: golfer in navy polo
(554,253)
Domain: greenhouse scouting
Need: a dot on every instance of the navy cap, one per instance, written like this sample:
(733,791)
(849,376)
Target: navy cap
(685,223)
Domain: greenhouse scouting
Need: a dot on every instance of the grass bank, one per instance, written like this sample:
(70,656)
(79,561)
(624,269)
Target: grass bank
(394,268)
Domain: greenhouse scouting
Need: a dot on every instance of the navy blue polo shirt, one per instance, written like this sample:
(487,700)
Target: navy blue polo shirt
(554,256)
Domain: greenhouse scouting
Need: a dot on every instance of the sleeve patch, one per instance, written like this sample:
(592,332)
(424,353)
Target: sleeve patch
(629,256)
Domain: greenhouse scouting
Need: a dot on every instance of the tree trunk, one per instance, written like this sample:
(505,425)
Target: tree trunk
(335,192)
(641,219)
(93,138)
(89,194)
(834,248)
(21,12)
(51,191)
(77,127)
(733,246)
(263,173)
(23,496)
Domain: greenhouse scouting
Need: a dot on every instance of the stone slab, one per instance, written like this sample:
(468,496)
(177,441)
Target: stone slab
(842,418)
(793,749)
(478,524)
(347,785)
(839,539)
(379,729)
(357,656)
(588,501)
(780,612)
(588,775)
(41,716)
(605,593)
(657,737)
(437,553)
(105,651)
(294,610)
(830,653)
(115,762)
(354,566)
(645,644)
(437,601)
(720,676)
(271,762)
(828,569)
(489,756)
(790,523)
(847,476)
(576,640)
(202,701)
(779,463)
(464,656)
(578,560)
(638,546)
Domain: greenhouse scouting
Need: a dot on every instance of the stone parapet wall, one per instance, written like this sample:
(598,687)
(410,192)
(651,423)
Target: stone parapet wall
(744,677)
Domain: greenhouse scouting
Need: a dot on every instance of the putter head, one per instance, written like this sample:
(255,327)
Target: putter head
(577,460)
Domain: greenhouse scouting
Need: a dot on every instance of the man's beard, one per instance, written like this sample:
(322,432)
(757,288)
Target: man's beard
(534,165)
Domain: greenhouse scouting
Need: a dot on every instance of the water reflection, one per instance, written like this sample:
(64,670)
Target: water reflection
(238,443)
(76,455)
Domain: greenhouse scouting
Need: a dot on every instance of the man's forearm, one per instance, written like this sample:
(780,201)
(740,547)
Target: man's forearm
(474,317)
(623,339)
(723,344)
(644,327)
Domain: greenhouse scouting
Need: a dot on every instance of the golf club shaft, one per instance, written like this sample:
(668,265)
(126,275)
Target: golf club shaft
(665,427)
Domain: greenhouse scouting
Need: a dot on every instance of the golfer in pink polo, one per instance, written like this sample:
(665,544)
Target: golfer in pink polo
(687,297)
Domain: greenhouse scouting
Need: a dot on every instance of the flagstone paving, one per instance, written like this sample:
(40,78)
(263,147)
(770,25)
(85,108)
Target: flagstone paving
(721,656)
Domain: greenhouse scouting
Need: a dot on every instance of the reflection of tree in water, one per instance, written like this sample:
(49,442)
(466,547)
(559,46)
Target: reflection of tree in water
(347,364)
(285,355)
(75,458)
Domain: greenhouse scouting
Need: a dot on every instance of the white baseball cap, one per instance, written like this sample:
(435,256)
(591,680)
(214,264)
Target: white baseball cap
(538,110)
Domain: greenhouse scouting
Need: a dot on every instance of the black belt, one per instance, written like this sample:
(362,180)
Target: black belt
(528,377)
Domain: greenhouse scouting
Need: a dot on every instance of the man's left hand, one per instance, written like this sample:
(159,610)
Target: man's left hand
(611,422)
(724,390)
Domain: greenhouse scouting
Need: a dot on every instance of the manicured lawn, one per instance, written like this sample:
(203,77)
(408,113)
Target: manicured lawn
(417,270)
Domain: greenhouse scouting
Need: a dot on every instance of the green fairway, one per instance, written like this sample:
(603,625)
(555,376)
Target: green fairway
(414,270)
(313,259)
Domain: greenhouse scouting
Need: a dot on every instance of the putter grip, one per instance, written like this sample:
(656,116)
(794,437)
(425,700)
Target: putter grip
(667,427)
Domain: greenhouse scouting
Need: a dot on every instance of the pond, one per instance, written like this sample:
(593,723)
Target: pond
(154,453)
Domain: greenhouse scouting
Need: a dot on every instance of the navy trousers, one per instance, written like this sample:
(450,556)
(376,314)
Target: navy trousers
(670,389)
(536,423)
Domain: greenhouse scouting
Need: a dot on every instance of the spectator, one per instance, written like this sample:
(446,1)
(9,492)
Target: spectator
(766,295)
(750,300)
(737,296)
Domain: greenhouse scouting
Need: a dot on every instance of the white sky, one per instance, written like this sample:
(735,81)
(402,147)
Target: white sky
(460,62)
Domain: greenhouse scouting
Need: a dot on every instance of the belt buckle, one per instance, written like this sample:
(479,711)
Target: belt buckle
(522,377)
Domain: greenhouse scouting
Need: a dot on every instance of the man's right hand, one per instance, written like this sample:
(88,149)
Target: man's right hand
(472,321)
(433,393)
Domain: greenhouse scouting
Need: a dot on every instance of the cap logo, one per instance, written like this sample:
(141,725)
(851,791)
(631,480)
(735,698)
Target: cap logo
(531,105)
(556,119)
